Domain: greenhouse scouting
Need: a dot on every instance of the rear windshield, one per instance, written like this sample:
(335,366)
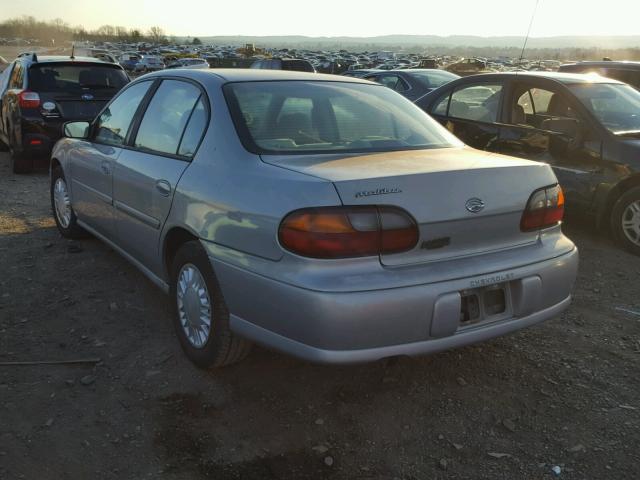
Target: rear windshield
(49,77)
(434,79)
(297,65)
(287,117)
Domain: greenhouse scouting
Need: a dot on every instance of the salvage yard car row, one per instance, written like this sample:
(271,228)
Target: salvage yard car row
(333,196)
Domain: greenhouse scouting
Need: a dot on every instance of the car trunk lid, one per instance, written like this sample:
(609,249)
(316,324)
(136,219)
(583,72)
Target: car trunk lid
(465,202)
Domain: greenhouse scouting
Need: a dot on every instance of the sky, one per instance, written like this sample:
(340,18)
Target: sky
(344,17)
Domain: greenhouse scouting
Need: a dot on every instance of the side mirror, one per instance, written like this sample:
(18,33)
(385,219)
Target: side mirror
(76,129)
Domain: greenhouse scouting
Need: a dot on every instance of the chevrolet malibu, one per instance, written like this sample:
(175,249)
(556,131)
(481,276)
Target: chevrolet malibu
(322,216)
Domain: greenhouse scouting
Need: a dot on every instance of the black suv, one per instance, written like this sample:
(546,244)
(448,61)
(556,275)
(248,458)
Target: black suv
(627,72)
(39,94)
(284,64)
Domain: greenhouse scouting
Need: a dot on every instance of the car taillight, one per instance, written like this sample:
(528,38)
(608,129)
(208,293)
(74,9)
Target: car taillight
(545,208)
(342,232)
(28,99)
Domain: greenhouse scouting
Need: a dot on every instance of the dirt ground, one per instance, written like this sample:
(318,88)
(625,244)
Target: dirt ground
(563,394)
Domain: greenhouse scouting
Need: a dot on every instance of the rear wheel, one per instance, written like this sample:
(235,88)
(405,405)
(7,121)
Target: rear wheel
(625,220)
(201,318)
(63,213)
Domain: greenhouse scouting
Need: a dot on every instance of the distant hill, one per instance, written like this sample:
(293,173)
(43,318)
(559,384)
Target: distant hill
(609,42)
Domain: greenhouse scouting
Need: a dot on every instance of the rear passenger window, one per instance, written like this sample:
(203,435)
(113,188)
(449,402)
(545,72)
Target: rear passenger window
(476,102)
(113,124)
(193,133)
(166,117)
(17,77)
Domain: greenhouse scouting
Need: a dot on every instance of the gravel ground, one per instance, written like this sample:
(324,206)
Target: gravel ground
(563,394)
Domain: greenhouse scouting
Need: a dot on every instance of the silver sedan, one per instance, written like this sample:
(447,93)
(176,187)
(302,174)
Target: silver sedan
(325,217)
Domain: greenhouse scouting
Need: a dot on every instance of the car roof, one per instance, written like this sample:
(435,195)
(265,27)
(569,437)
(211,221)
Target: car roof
(604,63)
(62,59)
(418,70)
(560,77)
(225,75)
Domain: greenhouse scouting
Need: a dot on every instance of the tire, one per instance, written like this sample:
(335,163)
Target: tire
(207,347)
(67,226)
(625,221)
(20,162)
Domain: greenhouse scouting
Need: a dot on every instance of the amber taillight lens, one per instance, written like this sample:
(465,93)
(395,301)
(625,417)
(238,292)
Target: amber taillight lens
(343,232)
(545,208)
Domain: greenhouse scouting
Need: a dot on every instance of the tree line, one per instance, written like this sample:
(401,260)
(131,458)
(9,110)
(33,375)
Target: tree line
(58,31)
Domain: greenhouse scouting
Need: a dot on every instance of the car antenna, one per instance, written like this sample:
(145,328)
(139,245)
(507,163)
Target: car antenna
(73,49)
(526,39)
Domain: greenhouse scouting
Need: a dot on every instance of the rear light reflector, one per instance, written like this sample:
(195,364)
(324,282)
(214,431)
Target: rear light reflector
(545,209)
(35,142)
(28,99)
(343,232)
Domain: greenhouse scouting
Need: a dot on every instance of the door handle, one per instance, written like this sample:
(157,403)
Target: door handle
(105,168)
(163,187)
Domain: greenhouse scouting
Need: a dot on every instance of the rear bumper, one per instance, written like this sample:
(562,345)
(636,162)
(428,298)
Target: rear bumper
(467,337)
(347,327)
(40,135)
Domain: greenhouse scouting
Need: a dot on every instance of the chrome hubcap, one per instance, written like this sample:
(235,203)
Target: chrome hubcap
(194,305)
(631,222)
(62,203)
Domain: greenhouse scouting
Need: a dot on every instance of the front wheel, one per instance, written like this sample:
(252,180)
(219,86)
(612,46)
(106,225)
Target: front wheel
(63,213)
(201,318)
(625,220)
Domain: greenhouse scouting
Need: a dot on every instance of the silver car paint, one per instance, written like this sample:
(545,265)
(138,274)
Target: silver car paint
(324,310)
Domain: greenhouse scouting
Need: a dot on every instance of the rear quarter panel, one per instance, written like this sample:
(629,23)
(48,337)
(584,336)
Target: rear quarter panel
(230,197)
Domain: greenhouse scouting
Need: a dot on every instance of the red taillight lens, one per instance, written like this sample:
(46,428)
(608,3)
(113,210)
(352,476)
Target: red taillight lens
(341,232)
(545,208)
(28,99)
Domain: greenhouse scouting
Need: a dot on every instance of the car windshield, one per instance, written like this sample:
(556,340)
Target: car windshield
(326,117)
(67,78)
(616,106)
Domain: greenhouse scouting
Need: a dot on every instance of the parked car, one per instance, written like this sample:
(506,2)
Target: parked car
(323,216)
(149,63)
(41,93)
(3,64)
(194,63)
(587,128)
(128,61)
(291,64)
(627,72)
(468,66)
(413,83)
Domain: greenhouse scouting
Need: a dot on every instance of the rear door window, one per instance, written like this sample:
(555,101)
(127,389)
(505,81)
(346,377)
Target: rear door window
(114,122)
(166,117)
(477,102)
(195,129)
(48,77)
(17,77)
